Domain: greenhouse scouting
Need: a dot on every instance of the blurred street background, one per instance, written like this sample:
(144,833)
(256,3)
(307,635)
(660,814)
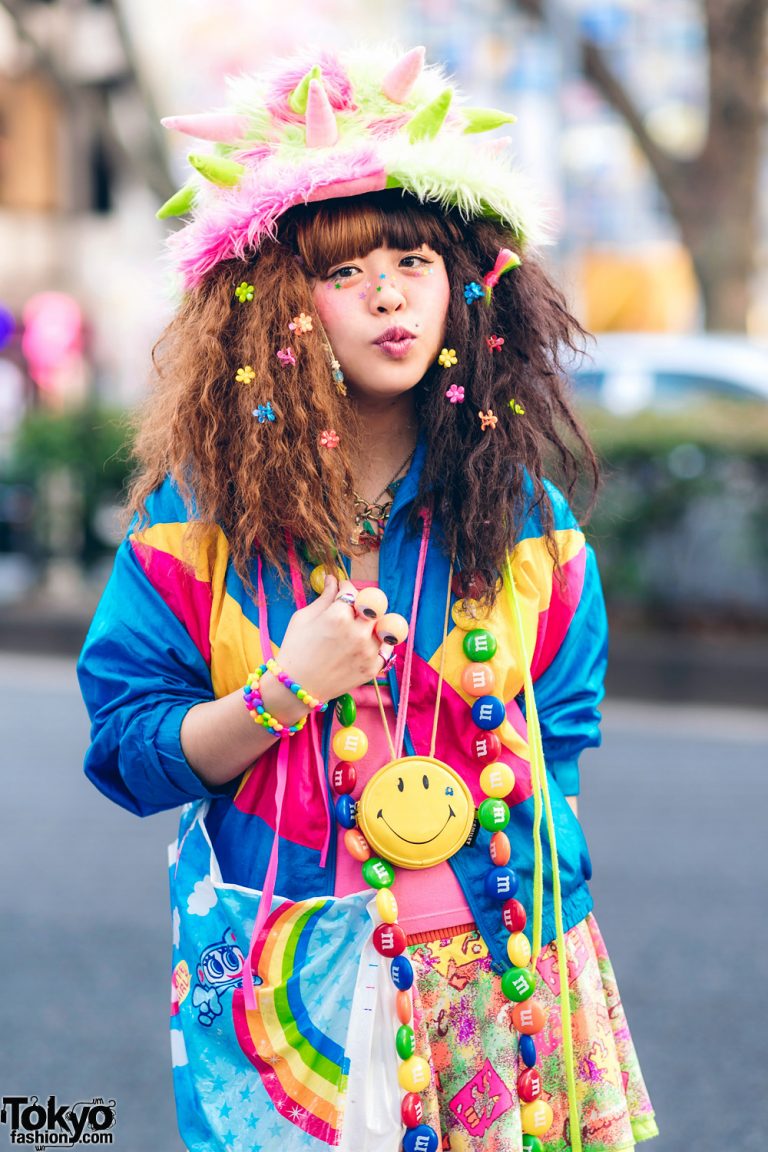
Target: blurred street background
(643,123)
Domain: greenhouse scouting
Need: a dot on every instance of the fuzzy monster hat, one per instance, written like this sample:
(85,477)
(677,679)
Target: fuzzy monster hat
(322,125)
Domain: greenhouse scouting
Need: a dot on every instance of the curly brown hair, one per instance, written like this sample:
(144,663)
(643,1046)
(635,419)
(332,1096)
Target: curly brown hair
(260,481)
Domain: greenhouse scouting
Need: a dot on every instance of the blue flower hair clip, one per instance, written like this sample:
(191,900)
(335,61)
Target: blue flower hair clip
(265,412)
(473,291)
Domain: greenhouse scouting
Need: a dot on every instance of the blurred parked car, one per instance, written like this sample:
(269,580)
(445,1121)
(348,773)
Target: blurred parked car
(626,372)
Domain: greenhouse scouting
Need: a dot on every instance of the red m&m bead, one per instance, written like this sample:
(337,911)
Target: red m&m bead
(513,915)
(486,746)
(529,1085)
(343,778)
(389,939)
(412,1110)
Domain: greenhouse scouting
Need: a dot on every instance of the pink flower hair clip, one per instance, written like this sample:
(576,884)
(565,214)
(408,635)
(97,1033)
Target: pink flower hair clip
(329,438)
(286,356)
(455,394)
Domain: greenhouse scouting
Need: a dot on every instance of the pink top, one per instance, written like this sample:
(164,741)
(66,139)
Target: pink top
(428,899)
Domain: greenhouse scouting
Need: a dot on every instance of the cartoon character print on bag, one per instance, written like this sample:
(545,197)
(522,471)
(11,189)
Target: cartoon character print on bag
(219,969)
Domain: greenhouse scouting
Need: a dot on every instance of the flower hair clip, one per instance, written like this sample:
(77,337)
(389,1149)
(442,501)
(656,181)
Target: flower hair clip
(244,292)
(488,420)
(245,375)
(286,356)
(329,438)
(495,343)
(264,413)
(473,291)
(455,394)
(516,407)
(301,323)
(448,358)
(505,262)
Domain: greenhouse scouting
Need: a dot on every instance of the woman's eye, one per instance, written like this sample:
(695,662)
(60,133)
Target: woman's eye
(343,273)
(420,259)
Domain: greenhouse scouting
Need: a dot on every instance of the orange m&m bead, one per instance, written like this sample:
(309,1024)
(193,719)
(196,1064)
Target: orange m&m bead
(529,1017)
(403,1006)
(478,680)
(500,853)
(357,845)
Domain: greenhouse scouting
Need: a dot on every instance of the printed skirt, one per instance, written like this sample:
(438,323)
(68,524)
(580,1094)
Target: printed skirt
(463,1027)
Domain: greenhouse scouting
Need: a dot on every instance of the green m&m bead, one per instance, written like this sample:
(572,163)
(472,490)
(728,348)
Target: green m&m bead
(479,645)
(346,710)
(518,984)
(378,873)
(493,814)
(405,1042)
(532,1143)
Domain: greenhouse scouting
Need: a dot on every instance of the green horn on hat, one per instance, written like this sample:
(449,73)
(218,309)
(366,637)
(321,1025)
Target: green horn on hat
(297,101)
(217,169)
(178,204)
(428,121)
(485,119)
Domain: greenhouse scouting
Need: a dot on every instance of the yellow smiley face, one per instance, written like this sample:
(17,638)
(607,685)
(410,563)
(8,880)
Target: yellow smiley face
(416,812)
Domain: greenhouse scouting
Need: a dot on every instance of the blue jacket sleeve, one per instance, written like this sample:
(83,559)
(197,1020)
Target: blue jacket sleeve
(139,674)
(569,691)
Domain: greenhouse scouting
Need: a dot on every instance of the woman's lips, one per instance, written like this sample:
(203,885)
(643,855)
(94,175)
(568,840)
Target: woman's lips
(397,349)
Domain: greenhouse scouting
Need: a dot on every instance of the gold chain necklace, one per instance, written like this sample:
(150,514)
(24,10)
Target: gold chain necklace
(371,516)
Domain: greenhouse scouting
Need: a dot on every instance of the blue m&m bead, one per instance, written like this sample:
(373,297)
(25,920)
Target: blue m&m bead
(421,1139)
(401,971)
(500,883)
(346,812)
(527,1050)
(488,712)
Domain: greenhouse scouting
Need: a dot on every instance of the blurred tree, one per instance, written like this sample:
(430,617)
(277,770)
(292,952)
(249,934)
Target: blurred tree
(713,196)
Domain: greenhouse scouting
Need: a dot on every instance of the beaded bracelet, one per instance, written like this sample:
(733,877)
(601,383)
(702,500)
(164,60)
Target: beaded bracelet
(301,693)
(254,701)
(255,705)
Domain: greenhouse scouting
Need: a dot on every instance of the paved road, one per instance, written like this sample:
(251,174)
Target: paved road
(675,810)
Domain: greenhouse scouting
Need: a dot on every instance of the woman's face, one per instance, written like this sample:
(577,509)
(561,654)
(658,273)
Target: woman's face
(384,315)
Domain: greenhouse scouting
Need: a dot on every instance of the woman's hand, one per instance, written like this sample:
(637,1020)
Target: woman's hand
(328,648)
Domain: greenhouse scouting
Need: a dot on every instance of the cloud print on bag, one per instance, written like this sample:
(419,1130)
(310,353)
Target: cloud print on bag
(178,1049)
(202,898)
(176,927)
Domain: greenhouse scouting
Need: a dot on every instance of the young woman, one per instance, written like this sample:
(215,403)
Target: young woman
(382,926)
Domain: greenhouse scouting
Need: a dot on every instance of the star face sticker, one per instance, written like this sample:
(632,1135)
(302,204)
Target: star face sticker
(264,412)
(488,420)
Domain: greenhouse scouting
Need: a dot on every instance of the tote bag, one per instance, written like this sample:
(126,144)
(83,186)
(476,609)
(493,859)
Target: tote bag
(314,1064)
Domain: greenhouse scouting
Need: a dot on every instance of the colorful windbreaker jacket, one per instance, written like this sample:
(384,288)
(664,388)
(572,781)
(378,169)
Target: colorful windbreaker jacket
(173,630)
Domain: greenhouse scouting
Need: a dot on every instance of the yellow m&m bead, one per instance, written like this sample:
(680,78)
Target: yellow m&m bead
(350,743)
(497,779)
(317,578)
(536,1118)
(519,950)
(386,905)
(466,614)
(414,1074)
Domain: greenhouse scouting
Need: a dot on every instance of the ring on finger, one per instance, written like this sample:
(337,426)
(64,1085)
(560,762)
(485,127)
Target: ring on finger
(387,654)
(347,598)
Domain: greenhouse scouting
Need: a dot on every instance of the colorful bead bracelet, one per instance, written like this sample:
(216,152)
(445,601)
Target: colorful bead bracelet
(254,701)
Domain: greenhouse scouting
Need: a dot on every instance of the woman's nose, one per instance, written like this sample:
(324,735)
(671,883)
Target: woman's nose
(386,296)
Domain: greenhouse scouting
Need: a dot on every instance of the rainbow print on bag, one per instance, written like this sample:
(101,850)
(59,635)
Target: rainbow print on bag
(303,1070)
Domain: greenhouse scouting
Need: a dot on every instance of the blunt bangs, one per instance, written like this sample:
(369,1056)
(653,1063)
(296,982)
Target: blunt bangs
(326,232)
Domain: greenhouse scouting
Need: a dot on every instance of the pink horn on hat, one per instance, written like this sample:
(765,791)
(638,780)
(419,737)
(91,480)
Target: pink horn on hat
(218,126)
(322,129)
(401,78)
